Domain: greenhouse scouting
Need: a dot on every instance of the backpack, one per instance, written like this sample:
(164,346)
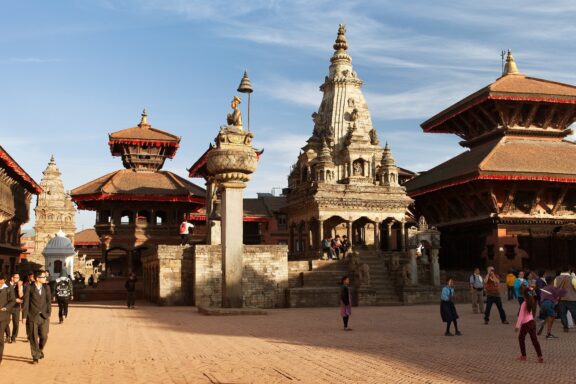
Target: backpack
(63,288)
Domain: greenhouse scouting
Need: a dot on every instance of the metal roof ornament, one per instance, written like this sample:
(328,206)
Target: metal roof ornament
(510,68)
(144,119)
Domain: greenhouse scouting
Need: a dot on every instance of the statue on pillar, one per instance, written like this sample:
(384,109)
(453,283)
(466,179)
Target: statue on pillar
(235,118)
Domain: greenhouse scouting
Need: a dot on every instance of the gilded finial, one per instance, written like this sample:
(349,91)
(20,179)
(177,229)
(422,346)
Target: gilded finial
(341,43)
(245,84)
(144,118)
(52,161)
(510,68)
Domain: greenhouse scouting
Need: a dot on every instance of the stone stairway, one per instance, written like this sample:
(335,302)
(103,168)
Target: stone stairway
(382,282)
(315,283)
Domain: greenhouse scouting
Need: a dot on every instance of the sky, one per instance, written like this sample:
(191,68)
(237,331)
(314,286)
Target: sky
(73,71)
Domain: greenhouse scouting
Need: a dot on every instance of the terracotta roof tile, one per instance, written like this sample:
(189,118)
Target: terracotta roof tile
(507,156)
(138,133)
(86,236)
(127,181)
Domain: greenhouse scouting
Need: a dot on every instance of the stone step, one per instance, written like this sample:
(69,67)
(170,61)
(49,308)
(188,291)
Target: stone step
(313,297)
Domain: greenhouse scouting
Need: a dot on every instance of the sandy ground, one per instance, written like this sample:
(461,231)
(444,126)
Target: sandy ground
(107,343)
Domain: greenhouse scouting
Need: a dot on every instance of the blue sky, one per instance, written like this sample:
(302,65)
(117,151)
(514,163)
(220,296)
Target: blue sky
(72,71)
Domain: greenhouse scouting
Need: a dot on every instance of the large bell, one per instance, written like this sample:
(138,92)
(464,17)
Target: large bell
(245,84)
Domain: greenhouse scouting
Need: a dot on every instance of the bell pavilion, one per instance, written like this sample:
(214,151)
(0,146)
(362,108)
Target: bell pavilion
(509,200)
(140,206)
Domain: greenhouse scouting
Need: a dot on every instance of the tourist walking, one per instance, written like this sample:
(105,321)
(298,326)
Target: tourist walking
(63,294)
(526,325)
(477,291)
(17,287)
(36,311)
(448,309)
(568,303)
(549,298)
(7,301)
(130,286)
(184,230)
(510,279)
(492,287)
(345,301)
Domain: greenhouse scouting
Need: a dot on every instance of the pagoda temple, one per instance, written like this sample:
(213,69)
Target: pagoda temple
(142,205)
(509,200)
(344,182)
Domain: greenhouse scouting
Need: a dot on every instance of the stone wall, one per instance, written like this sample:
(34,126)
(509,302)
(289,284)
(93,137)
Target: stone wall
(264,280)
(168,275)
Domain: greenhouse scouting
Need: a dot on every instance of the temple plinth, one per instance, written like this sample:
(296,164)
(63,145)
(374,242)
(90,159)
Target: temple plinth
(231,162)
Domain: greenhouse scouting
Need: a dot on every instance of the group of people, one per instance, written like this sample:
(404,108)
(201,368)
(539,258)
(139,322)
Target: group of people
(335,248)
(32,300)
(556,297)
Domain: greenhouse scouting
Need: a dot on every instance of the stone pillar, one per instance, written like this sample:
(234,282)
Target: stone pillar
(320,237)
(434,267)
(389,235)
(349,234)
(413,267)
(403,236)
(376,235)
(232,244)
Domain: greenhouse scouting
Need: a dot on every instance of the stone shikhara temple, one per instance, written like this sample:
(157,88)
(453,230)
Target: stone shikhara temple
(510,199)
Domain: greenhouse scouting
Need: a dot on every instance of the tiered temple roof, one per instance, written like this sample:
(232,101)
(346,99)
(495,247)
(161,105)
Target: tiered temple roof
(515,129)
(143,150)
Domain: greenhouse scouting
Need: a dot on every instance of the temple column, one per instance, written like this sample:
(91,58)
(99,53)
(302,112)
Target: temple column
(232,244)
(413,267)
(349,234)
(434,267)
(320,237)
(403,236)
(389,235)
(376,235)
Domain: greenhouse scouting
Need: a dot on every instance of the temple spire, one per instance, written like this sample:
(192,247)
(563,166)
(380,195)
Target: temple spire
(510,68)
(340,47)
(144,119)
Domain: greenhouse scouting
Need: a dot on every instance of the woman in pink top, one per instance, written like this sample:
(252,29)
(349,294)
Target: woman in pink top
(526,324)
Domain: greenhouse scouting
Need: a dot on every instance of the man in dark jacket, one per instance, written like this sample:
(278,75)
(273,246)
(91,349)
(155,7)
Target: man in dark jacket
(16,286)
(130,286)
(7,301)
(36,310)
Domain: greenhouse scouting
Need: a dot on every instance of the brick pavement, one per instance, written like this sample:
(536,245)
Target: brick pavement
(108,343)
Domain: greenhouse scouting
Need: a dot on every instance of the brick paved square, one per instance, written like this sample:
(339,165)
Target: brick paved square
(109,343)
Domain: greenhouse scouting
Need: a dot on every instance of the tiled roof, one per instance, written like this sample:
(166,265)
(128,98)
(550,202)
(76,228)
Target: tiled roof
(18,173)
(264,206)
(509,87)
(129,182)
(505,158)
(144,133)
(86,236)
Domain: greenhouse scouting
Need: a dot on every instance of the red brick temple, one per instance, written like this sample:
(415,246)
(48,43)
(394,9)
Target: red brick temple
(510,199)
(139,206)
